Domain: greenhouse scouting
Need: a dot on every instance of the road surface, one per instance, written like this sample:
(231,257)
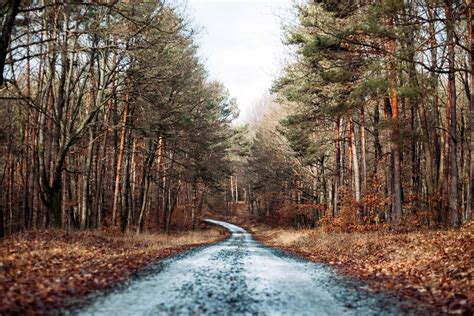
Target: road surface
(240,276)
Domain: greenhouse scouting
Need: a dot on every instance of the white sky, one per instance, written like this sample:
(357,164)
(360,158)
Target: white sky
(240,43)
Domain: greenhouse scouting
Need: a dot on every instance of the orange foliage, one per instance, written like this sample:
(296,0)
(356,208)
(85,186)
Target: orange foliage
(41,270)
(430,267)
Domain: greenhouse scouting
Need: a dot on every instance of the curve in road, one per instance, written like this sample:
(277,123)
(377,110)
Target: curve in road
(240,276)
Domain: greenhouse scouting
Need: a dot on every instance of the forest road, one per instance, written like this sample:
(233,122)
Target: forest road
(240,276)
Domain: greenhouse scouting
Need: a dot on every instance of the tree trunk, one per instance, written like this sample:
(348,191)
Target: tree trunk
(55,205)
(389,160)
(451,107)
(85,204)
(471,55)
(27,137)
(118,174)
(236,190)
(2,222)
(145,183)
(146,187)
(377,145)
(354,160)
(397,185)
(172,199)
(232,188)
(7,29)
(337,178)
(193,208)
(363,150)
(160,179)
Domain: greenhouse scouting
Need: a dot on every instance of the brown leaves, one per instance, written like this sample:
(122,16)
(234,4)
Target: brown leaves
(39,271)
(433,267)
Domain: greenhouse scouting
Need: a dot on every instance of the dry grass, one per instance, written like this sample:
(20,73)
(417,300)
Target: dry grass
(435,267)
(158,241)
(41,270)
(286,238)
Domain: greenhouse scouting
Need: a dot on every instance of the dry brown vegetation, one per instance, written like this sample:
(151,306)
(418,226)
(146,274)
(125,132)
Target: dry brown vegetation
(41,270)
(433,267)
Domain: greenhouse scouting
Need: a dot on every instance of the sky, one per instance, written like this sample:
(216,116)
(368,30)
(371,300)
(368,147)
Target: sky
(240,44)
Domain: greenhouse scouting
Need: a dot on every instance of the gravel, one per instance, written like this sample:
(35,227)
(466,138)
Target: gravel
(240,276)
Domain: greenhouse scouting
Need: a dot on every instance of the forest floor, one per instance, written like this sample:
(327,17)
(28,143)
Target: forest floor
(435,268)
(44,270)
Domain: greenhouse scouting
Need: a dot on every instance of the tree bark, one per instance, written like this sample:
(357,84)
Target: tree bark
(337,178)
(118,174)
(7,29)
(397,185)
(354,158)
(145,183)
(471,57)
(193,207)
(451,107)
(363,150)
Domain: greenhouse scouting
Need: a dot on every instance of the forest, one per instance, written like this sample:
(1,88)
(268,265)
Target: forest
(107,117)
(116,144)
(375,123)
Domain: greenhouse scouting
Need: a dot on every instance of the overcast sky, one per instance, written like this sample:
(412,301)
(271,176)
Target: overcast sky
(240,43)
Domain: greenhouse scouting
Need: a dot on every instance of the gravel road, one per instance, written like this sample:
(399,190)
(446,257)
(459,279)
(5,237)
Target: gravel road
(240,276)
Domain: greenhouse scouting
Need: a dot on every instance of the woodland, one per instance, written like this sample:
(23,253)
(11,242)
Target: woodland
(108,119)
(374,118)
(109,124)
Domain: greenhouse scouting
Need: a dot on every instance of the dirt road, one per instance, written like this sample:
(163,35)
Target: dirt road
(241,277)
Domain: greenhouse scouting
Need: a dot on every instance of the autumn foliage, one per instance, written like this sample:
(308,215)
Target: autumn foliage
(433,268)
(41,271)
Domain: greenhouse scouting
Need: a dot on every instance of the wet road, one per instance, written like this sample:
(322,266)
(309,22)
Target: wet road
(241,277)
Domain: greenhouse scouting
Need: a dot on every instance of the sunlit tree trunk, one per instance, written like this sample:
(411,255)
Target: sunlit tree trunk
(354,161)
(393,93)
(160,179)
(236,190)
(85,204)
(232,189)
(117,190)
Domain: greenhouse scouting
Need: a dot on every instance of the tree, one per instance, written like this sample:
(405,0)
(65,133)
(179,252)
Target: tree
(9,11)
(112,121)
(361,70)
